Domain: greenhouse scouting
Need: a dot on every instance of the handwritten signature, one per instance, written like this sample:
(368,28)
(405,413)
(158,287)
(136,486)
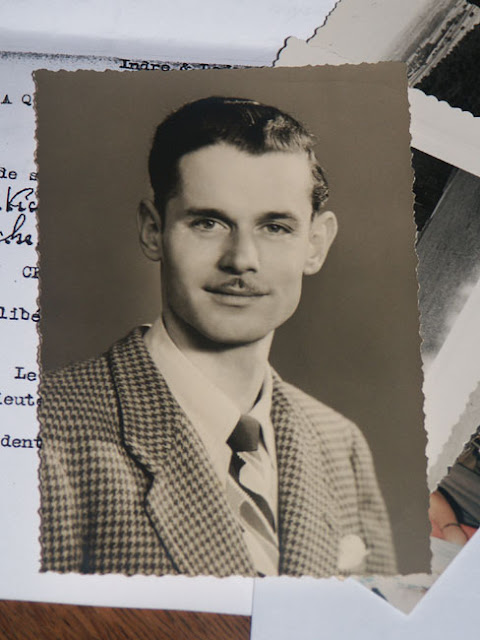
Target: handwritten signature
(20,200)
(16,235)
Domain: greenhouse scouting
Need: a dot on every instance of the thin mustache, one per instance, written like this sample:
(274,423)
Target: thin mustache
(237,286)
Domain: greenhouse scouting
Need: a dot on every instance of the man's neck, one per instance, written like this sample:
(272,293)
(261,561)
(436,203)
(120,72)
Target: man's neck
(238,370)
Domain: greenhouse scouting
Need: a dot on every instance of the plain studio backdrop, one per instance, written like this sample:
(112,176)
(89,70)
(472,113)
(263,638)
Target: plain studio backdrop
(353,342)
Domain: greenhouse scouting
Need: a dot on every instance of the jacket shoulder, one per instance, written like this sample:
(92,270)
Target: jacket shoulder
(78,393)
(324,419)
(349,466)
(77,378)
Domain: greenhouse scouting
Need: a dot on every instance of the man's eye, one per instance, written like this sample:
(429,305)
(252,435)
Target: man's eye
(277,229)
(205,224)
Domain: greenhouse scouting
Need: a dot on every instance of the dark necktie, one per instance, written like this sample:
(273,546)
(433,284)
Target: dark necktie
(245,438)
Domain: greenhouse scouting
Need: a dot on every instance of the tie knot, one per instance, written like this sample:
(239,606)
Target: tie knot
(246,435)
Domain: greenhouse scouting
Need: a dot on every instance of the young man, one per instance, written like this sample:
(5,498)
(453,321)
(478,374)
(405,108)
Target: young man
(181,450)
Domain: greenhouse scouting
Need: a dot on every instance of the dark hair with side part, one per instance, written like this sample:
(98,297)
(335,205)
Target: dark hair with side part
(245,124)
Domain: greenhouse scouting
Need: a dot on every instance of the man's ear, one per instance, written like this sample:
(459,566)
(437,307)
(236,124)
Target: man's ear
(149,223)
(323,230)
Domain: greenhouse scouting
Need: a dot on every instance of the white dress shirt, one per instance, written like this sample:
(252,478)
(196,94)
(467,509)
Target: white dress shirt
(214,416)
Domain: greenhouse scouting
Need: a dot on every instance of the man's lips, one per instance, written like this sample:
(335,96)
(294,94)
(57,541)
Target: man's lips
(239,289)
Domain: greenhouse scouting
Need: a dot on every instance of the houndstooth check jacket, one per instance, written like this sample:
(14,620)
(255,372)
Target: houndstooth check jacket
(127,487)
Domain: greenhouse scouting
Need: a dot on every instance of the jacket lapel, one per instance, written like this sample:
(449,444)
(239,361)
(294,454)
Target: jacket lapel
(184,501)
(309,530)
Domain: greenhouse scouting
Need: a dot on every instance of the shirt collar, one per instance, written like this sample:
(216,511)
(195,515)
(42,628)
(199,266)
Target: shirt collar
(210,411)
(262,410)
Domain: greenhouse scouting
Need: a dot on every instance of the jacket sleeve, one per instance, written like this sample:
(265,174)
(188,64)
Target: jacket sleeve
(61,539)
(60,509)
(373,516)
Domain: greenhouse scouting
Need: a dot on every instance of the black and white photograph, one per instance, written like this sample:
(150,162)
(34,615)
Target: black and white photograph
(447,201)
(439,40)
(443,62)
(439,30)
(230,350)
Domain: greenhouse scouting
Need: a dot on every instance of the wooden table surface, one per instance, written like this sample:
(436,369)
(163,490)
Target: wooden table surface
(39,621)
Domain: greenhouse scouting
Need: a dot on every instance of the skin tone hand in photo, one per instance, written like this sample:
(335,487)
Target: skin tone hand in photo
(441,513)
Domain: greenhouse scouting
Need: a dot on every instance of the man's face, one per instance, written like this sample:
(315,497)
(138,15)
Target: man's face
(236,241)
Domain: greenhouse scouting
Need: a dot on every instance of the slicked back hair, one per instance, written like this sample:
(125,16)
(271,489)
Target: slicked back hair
(245,124)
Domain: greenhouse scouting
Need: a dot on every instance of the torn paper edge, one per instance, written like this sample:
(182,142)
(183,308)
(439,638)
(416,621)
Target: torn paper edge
(349,34)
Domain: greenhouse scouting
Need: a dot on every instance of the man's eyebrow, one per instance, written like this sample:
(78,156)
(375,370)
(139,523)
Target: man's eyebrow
(194,212)
(218,214)
(279,215)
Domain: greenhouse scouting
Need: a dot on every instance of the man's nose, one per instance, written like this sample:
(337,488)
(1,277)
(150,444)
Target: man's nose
(240,253)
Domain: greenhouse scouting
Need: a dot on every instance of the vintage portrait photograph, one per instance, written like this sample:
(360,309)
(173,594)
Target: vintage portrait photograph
(230,351)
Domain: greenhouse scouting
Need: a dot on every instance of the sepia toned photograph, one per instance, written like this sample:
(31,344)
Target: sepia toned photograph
(230,351)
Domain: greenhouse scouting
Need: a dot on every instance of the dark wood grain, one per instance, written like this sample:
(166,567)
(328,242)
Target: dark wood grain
(39,621)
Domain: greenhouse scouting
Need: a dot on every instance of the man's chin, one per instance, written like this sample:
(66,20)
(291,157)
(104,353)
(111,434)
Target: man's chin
(223,337)
(216,333)
(227,340)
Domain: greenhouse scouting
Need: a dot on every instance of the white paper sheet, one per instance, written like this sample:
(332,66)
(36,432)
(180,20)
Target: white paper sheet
(245,32)
(306,609)
(449,134)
